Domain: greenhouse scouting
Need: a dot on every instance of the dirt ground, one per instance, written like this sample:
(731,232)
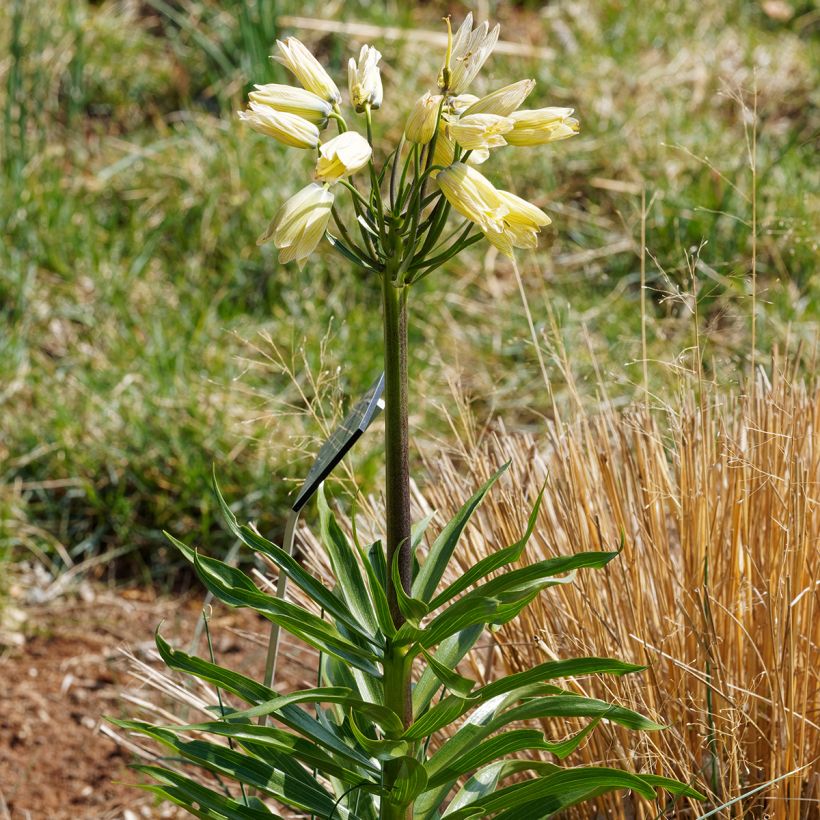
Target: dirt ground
(64,669)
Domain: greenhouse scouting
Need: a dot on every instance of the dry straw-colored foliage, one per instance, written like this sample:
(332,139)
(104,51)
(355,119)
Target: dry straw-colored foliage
(717,590)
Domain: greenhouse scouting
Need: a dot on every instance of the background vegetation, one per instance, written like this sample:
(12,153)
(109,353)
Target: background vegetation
(144,336)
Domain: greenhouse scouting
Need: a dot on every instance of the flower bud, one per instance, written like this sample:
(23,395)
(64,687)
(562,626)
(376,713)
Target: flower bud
(364,79)
(342,156)
(293,100)
(503,101)
(480,131)
(307,69)
(300,223)
(421,124)
(542,125)
(288,129)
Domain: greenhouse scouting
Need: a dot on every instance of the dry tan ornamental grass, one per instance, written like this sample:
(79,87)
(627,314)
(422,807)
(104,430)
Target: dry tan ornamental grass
(717,589)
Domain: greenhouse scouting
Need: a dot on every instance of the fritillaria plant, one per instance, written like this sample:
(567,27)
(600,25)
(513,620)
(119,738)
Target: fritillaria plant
(397,731)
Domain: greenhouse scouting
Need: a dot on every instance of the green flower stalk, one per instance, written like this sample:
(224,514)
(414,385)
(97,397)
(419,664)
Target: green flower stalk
(393,618)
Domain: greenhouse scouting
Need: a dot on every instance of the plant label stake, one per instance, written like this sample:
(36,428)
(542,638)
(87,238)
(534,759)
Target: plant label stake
(330,454)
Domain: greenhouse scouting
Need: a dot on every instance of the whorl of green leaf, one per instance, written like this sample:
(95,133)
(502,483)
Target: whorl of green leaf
(330,761)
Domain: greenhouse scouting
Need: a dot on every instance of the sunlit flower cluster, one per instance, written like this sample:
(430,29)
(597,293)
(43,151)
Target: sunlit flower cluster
(402,208)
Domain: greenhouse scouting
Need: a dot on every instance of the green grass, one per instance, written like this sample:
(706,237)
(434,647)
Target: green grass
(133,296)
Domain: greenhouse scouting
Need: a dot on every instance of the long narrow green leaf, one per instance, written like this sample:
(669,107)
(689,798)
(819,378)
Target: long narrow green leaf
(300,793)
(279,741)
(558,669)
(442,714)
(409,784)
(345,566)
(486,603)
(225,583)
(449,653)
(457,684)
(377,591)
(188,793)
(554,792)
(317,591)
(506,743)
(674,787)
(412,608)
(253,692)
(424,586)
(480,723)
(531,573)
(385,717)
(381,748)
(492,562)
(567,705)
(479,611)
(482,783)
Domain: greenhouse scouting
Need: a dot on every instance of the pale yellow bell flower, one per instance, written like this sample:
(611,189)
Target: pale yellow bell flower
(503,101)
(473,196)
(289,129)
(458,105)
(421,124)
(293,100)
(522,223)
(307,69)
(446,150)
(480,131)
(342,156)
(364,79)
(300,224)
(465,56)
(505,219)
(542,125)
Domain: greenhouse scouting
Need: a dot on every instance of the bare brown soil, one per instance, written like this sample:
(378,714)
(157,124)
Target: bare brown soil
(55,688)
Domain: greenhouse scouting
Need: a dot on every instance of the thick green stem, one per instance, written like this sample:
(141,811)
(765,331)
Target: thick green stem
(397,668)
(396,436)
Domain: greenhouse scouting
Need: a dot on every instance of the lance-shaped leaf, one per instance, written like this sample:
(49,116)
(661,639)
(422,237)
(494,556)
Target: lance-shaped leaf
(493,610)
(345,566)
(552,793)
(568,705)
(479,724)
(301,792)
(210,804)
(412,608)
(449,653)
(234,588)
(490,563)
(313,587)
(485,781)
(495,600)
(251,691)
(551,670)
(506,743)
(381,748)
(278,741)
(409,783)
(457,684)
(442,714)
(385,717)
(378,593)
(432,570)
